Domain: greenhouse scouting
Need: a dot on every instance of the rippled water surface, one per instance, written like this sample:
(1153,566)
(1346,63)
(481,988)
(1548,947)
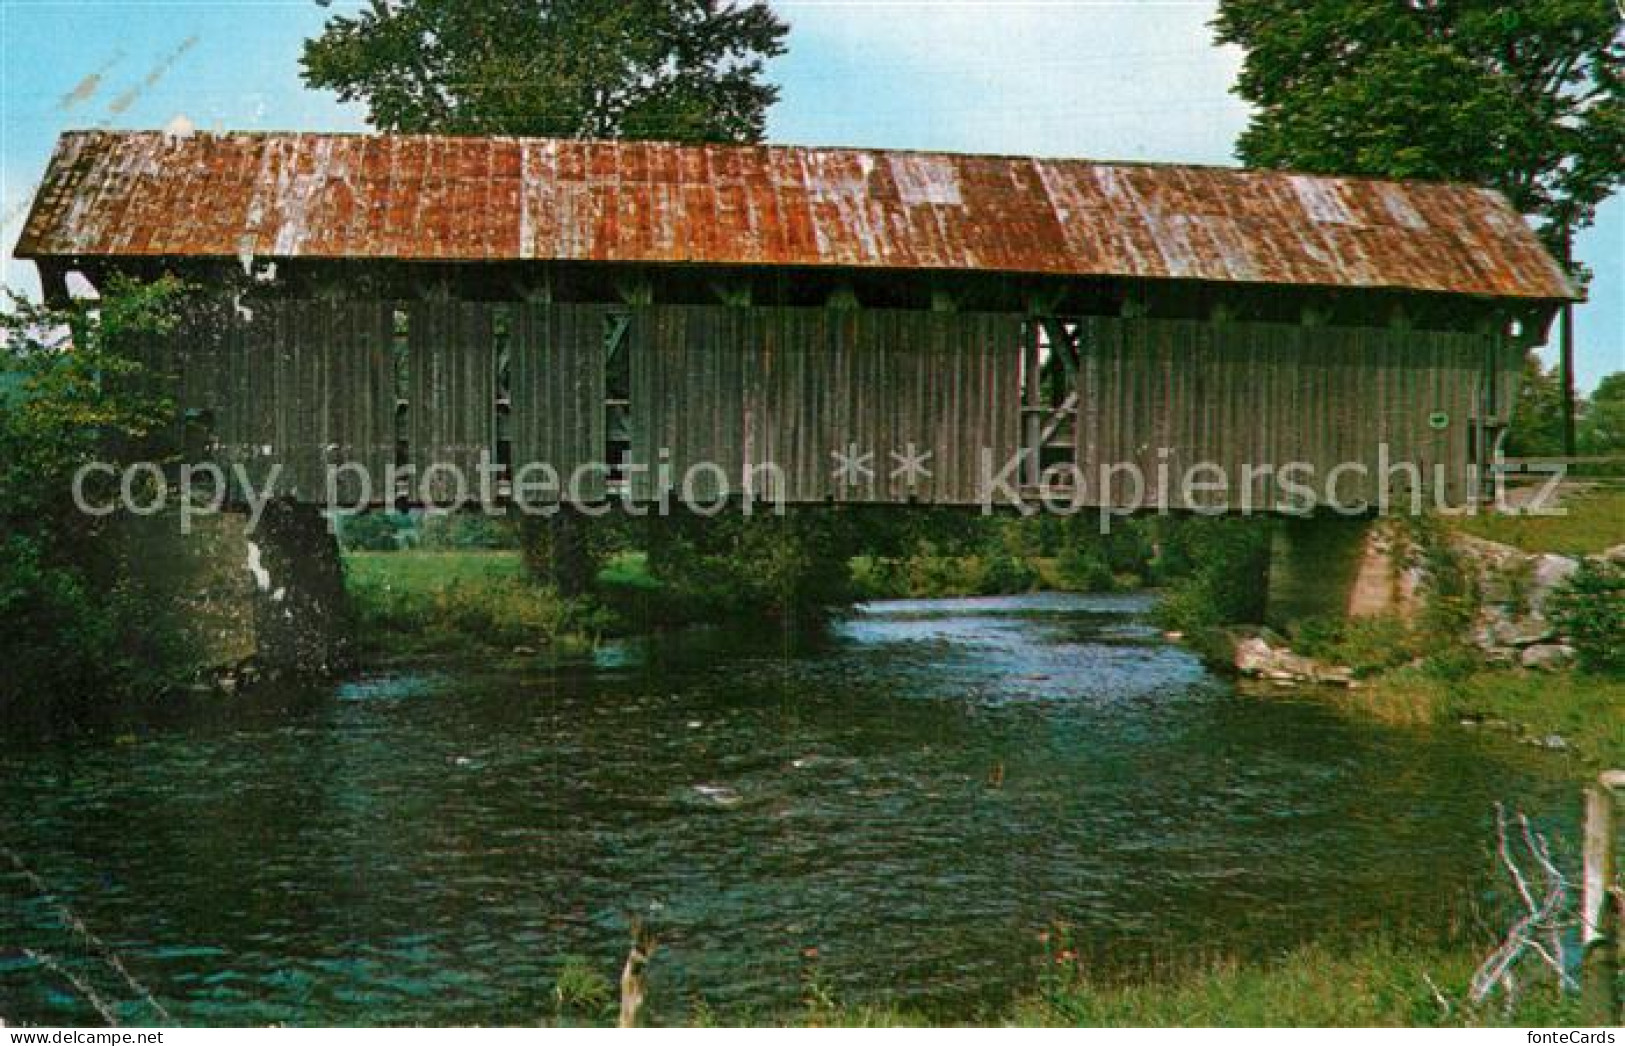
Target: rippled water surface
(897,813)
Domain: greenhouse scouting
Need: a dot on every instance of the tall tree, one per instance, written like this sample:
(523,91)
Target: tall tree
(683,70)
(1527,96)
(1603,429)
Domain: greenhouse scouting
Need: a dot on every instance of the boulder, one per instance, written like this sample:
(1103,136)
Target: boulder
(1522,632)
(1548,575)
(1255,657)
(1548,657)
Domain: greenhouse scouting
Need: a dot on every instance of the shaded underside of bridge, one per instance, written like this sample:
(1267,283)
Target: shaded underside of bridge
(395,301)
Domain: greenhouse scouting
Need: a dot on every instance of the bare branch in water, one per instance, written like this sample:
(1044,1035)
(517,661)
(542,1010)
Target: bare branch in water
(80,985)
(635,972)
(1543,917)
(74,923)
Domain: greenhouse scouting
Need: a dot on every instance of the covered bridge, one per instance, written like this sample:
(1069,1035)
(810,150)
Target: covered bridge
(420,300)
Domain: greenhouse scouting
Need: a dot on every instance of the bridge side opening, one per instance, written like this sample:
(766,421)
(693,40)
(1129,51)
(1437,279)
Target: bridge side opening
(617,400)
(1052,391)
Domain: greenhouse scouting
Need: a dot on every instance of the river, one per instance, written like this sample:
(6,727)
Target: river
(900,813)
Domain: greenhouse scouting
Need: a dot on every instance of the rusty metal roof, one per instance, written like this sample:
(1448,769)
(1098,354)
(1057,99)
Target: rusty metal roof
(287,195)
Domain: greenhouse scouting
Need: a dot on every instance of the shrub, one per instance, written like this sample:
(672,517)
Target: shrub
(1007,575)
(72,391)
(1083,569)
(793,569)
(1590,610)
(1215,570)
(371,531)
(1366,645)
(467,530)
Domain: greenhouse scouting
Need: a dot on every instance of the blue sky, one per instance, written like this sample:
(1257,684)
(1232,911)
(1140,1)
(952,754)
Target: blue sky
(1108,79)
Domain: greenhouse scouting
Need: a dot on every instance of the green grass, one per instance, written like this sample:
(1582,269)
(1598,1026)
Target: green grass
(1375,985)
(463,602)
(628,570)
(425,570)
(1595,523)
(1586,710)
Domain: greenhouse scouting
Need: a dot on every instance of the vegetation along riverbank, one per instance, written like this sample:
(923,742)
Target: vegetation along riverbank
(1510,623)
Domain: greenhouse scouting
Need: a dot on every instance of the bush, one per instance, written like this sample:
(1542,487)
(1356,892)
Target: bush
(72,391)
(1366,645)
(1590,610)
(1083,569)
(792,569)
(1007,575)
(372,531)
(467,530)
(1215,570)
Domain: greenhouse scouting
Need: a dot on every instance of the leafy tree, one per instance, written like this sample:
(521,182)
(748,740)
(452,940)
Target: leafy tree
(73,394)
(1523,95)
(683,70)
(1590,609)
(791,569)
(1537,421)
(1602,430)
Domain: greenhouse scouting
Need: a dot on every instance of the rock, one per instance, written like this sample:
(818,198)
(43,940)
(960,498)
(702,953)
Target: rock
(1255,657)
(1551,742)
(524,651)
(1613,555)
(1549,574)
(1548,657)
(1525,631)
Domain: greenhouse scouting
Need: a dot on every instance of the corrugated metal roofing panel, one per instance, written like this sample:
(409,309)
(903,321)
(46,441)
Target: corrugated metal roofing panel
(498,199)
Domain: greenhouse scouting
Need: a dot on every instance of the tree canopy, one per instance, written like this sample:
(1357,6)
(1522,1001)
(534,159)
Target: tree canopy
(1526,96)
(1602,429)
(683,70)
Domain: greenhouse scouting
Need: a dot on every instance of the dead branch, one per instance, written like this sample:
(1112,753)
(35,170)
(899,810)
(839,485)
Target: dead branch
(80,985)
(635,971)
(75,924)
(1543,918)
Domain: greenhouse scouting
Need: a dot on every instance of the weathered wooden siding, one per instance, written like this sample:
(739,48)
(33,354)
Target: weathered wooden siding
(1271,395)
(747,388)
(776,394)
(299,385)
(451,408)
(557,392)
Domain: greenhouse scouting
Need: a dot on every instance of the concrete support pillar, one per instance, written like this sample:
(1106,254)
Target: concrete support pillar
(1316,565)
(266,603)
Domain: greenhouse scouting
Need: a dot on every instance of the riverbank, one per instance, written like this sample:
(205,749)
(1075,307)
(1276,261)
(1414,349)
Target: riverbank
(1579,714)
(1378,984)
(429,603)
(1443,681)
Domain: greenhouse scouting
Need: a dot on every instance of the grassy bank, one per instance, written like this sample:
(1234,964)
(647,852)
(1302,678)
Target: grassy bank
(1378,984)
(1375,984)
(1594,522)
(1586,711)
(410,603)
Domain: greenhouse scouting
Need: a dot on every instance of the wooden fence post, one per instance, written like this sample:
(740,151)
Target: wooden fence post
(1599,911)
